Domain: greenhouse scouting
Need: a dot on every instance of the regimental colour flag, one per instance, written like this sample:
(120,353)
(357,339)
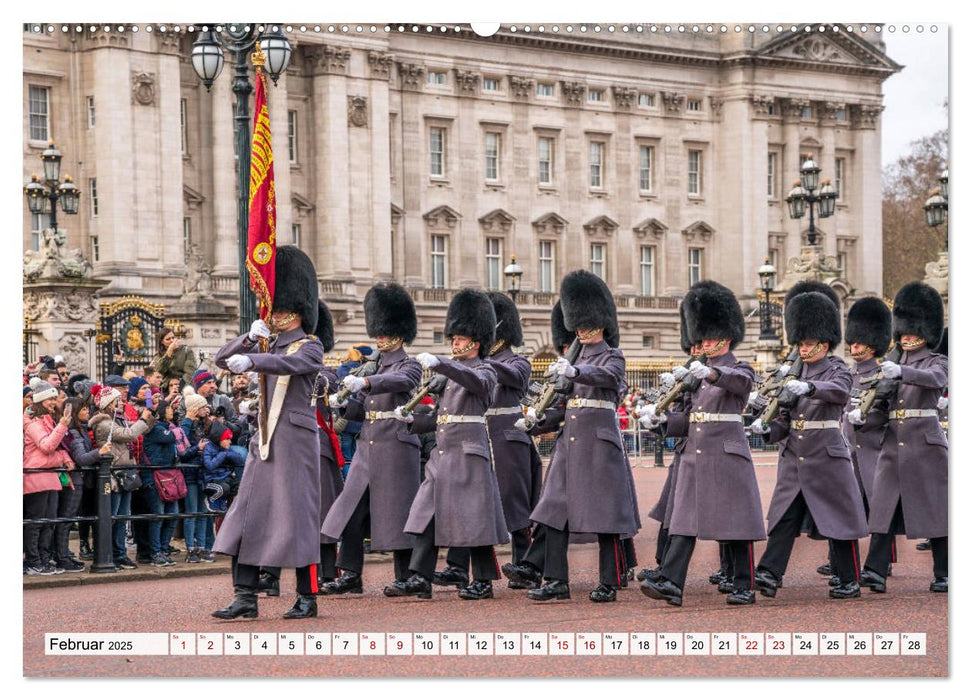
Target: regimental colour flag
(261,243)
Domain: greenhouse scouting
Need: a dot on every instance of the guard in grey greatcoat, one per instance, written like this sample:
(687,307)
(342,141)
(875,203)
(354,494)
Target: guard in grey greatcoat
(385,471)
(458,503)
(716,496)
(517,463)
(274,518)
(910,486)
(331,481)
(588,483)
(816,489)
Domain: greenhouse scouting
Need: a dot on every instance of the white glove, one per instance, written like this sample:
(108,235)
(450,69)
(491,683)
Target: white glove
(427,360)
(239,363)
(855,417)
(798,388)
(679,372)
(758,427)
(854,401)
(521,424)
(699,370)
(650,421)
(333,402)
(646,410)
(354,384)
(891,370)
(667,379)
(753,396)
(563,367)
(259,329)
(942,403)
(410,418)
(784,369)
(248,408)
(531,415)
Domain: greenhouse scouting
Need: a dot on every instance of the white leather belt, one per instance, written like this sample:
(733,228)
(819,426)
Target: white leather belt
(461,419)
(814,424)
(507,411)
(378,415)
(591,403)
(702,417)
(901,413)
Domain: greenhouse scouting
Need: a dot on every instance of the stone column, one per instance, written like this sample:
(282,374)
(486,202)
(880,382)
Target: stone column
(378,264)
(276,97)
(223,238)
(166,228)
(674,187)
(623,253)
(868,197)
(791,160)
(415,169)
(519,153)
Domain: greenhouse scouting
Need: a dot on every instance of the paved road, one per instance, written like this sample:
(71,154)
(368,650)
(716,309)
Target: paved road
(183,605)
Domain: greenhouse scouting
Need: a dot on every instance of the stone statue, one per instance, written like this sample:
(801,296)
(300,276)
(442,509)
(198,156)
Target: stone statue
(198,276)
(54,260)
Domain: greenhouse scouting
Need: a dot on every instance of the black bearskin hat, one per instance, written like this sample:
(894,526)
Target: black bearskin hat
(587,303)
(296,286)
(325,326)
(712,311)
(941,348)
(918,310)
(813,286)
(389,310)
(869,322)
(686,342)
(812,315)
(561,336)
(509,327)
(471,314)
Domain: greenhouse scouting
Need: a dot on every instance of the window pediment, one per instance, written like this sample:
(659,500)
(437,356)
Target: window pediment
(699,230)
(652,228)
(550,223)
(600,227)
(497,221)
(442,217)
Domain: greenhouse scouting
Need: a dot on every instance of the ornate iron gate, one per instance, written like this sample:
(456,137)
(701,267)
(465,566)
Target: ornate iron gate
(128,334)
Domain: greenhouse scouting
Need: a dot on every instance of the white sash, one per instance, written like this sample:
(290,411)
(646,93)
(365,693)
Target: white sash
(279,394)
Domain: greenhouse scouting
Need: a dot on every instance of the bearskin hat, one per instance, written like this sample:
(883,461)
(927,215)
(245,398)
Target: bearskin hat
(812,315)
(686,342)
(389,310)
(587,303)
(296,285)
(508,328)
(804,286)
(471,314)
(325,326)
(712,311)
(869,322)
(918,310)
(561,336)
(941,348)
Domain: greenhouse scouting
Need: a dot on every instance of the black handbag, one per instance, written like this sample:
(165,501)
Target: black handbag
(128,479)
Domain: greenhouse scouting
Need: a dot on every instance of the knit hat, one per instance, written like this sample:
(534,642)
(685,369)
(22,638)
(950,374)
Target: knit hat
(135,385)
(219,432)
(201,377)
(27,390)
(105,396)
(193,402)
(43,391)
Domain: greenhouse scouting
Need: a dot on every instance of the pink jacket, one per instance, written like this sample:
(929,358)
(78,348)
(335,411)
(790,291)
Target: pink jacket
(42,450)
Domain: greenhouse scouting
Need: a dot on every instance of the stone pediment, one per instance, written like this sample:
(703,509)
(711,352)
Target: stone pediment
(829,48)
(442,216)
(396,214)
(650,227)
(497,220)
(301,204)
(698,229)
(550,223)
(192,198)
(601,225)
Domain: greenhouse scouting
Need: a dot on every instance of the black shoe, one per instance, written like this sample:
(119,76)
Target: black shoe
(662,589)
(417,585)
(303,606)
(243,605)
(85,552)
(477,590)
(923,546)
(126,563)
(143,558)
(71,566)
(603,594)
(726,586)
(767,583)
(939,585)
(874,581)
(825,570)
(739,597)
(520,586)
(630,574)
(649,574)
(834,582)
(717,577)
(850,589)
(523,573)
(269,584)
(451,576)
(347,582)
(552,589)
(889,570)
(170,550)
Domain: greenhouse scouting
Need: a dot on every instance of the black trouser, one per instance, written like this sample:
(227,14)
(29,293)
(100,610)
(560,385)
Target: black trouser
(249,576)
(89,506)
(882,547)
(68,501)
(38,537)
(351,555)
(630,554)
(425,555)
(775,559)
(740,557)
(326,568)
(662,544)
(726,559)
(459,556)
(140,506)
(548,553)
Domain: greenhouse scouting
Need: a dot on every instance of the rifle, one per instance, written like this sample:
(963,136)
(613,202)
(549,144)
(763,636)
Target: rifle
(548,391)
(688,383)
(782,397)
(879,387)
(365,369)
(435,385)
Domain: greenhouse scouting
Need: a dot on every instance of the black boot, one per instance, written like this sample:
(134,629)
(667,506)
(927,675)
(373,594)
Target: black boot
(553,588)
(825,570)
(347,582)
(726,586)
(717,577)
(874,581)
(269,584)
(451,576)
(84,552)
(939,585)
(603,594)
(477,590)
(850,589)
(924,546)
(523,573)
(303,606)
(417,585)
(662,589)
(740,597)
(243,605)
(645,574)
(767,583)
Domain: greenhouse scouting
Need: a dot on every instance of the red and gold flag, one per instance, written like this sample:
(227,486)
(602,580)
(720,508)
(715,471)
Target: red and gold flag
(261,243)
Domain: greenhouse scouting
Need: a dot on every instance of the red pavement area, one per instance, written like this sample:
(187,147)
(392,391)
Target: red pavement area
(184,604)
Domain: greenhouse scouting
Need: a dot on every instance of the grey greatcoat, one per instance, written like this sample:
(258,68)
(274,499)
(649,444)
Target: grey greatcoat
(273,520)
(331,481)
(912,467)
(817,462)
(517,464)
(665,503)
(865,440)
(588,483)
(716,496)
(387,459)
(460,489)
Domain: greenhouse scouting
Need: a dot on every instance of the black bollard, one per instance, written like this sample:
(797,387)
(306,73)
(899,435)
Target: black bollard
(104,560)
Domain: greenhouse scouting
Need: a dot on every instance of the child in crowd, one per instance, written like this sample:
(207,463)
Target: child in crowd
(221,464)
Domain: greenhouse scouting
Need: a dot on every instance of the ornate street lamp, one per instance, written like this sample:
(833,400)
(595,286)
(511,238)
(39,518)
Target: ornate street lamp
(42,198)
(514,274)
(802,196)
(207,61)
(766,282)
(935,208)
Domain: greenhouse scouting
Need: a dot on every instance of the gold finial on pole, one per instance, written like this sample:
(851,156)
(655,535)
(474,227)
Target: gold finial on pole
(259,60)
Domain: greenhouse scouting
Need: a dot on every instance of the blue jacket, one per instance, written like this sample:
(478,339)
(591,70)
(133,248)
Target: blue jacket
(218,462)
(159,449)
(193,455)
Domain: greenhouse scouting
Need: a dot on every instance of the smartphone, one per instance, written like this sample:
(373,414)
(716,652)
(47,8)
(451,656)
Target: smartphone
(148,401)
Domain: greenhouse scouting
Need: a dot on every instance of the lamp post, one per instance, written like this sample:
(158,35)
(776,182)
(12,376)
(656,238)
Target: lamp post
(514,274)
(766,281)
(42,198)
(803,195)
(936,206)
(207,60)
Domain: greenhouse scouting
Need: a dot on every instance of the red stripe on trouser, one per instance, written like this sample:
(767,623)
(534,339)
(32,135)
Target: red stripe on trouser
(893,551)
(856,560)
(751,566)
(313,578)
(616,560)
(496,562)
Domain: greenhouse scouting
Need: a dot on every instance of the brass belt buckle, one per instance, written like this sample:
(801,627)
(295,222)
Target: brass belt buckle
(699,416)
(900,413)
(442,419)
(799,424)
(372,415)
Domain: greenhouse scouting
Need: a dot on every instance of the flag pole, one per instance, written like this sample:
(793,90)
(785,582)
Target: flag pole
(259,60)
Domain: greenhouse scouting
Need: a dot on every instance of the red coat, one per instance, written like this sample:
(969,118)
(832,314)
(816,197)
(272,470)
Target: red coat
(42,450)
